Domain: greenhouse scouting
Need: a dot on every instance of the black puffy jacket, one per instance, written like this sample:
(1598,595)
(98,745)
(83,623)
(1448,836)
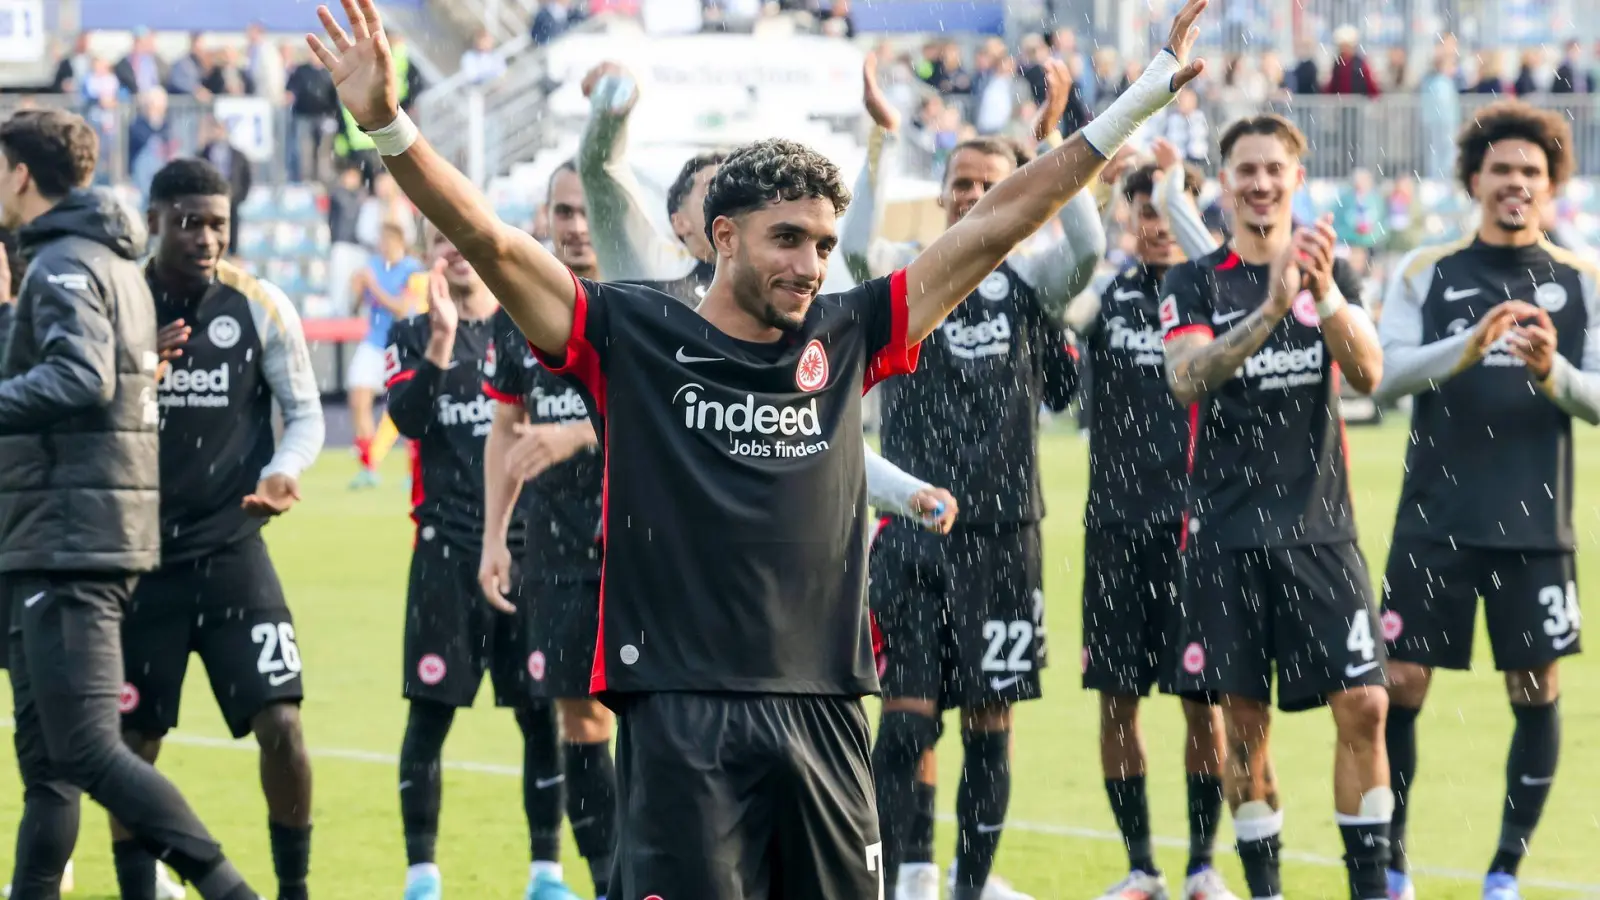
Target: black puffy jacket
(79,464)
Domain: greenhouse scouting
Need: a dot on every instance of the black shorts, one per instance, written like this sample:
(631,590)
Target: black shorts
(747,796)
(5,623)
(1305,612)
(453,634)
(1430,604)
(228,607)
(1130,609)
(563,620)
(962,615)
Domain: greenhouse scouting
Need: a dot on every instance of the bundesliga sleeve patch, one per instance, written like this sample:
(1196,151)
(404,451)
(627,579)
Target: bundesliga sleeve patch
(391,362)
(1168,312)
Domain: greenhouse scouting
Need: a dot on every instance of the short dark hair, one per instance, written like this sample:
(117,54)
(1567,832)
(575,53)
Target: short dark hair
(1005,148)
(58,147)
(188,177)
(770,171)
(1507,120)
(1143,181)
(1271,125)
(684,183)
(570,165)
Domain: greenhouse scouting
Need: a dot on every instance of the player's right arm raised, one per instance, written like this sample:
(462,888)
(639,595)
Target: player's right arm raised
(950,269)
(536,289)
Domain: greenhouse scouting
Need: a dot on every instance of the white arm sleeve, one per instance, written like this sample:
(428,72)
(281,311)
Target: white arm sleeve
(1576,389)
(286,362)
(1183,216)
(890,488)
(1409,365)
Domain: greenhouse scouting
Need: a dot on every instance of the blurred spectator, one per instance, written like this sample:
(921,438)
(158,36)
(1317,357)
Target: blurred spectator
(1351,75)
(101,84)
(104,114)
(1065,44)
(386,206)
(995,90)
(837,22)
(410,78)
(228,77)
(151,144)
(1440,115)
(75,68)
(1527,81)
(313,118)
(1571,77)
(480,64)
(1184,126)
(930,68)
(347,256)
(263,62)
(1491,74)
(1304,79)
(1399,69)
(1358,218)
(1241,91)
(1107,80)
(1403,215)
(954,78)
(142,69)
(188,74)
(218,150)
(1034,52)
(550,21)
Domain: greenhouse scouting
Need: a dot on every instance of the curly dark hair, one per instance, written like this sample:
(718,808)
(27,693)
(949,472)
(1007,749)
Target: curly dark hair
(1270,125)
(771,171)
(58,147)
(1143,181)
(684,183)
(188,177)
(1507,120)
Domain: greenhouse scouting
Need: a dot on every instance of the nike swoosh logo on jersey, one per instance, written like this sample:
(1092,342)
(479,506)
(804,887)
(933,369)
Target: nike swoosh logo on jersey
(1000,684)
(1565,641)
(1536,782)
(1358,671)
(686,358)
(404,785)
(989,829)
(282,678)
(34,599)
(1121,294)
(542,783)
(1225,318)
(1453,294)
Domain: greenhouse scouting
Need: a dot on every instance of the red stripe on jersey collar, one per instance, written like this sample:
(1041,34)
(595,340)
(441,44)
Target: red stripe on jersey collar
(1196,328)
(1231,262)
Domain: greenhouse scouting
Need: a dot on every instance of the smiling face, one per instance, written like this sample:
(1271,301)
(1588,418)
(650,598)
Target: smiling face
(191,234)
(972,172)
(458,273)
(1513,185)
(1262,176)
(779,258)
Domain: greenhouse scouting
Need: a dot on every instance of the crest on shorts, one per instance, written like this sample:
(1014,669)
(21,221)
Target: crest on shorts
(128,699)
(224,332)
(1305,310)
(431,669)
(1393,625)
(1551,296)
(994,287)
(811,373)
(1194,659)
(536,665)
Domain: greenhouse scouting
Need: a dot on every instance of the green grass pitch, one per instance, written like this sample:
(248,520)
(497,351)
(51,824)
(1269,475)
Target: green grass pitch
(343,558)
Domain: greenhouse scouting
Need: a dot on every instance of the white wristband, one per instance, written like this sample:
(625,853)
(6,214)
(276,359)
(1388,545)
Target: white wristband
(396,137)
(1107,132)
(1331,303)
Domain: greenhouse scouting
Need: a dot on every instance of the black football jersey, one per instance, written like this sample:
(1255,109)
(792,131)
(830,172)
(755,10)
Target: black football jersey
(447,415)
(968,420)
(217,435)
(560,509)
(1269,455)
(1138,434)
(1490,458)
(735,498)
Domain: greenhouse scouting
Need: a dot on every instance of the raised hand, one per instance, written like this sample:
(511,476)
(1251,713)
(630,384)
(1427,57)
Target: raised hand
(1181,40)
(1166,153)
(362,68)
(1533,341)
(1057,89)
(878,107)
(620,106)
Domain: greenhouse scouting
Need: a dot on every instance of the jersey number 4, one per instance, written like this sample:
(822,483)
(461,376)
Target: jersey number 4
(279,652)
(995,631)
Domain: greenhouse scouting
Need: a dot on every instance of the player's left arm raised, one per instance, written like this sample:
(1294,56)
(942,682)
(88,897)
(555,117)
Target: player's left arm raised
(1346,328)
(951,268)
(1574,388)
(286,363)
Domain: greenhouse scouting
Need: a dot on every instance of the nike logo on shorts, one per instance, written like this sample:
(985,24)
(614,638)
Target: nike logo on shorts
(1565,641)
(543,783)
(1536,782)
(1000,684)
(34,599)
(1358,671)
(686,358)
(282,678)
(989,829)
